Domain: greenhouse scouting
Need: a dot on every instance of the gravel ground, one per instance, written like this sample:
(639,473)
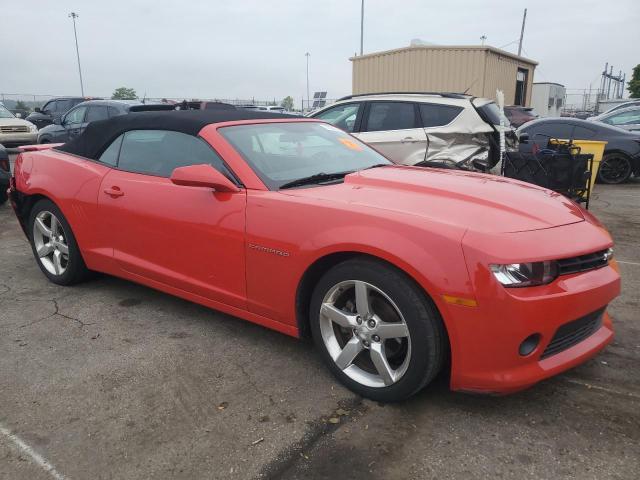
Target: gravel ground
(109,379)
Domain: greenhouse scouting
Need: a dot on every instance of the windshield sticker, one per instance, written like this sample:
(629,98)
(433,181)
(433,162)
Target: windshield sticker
(350,144)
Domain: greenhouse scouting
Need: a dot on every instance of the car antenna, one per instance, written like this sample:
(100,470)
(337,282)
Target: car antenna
(469,87)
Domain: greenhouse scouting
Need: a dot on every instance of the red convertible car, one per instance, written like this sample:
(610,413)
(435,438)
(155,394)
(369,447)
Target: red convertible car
(396,272)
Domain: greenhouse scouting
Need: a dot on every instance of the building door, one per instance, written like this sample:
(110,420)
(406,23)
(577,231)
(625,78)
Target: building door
(521,86)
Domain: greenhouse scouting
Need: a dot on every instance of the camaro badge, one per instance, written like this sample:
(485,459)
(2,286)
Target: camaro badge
(268,250)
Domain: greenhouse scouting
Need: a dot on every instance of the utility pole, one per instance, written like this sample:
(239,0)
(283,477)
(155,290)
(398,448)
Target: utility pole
(524,19)
(73,16)
(308,102)
(361,27)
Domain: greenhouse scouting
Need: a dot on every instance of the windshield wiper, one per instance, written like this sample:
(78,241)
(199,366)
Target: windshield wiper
(316,178)
(377,165)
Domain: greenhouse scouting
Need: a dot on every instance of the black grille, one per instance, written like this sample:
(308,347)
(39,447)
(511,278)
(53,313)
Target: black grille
(583,262)
(573,333)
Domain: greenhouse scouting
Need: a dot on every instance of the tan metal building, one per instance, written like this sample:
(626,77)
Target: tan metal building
(478,70)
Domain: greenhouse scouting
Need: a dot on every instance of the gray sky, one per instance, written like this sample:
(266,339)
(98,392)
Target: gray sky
(252,48)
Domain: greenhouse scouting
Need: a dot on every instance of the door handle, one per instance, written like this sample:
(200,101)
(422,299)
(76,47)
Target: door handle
(114,192)
(409,140)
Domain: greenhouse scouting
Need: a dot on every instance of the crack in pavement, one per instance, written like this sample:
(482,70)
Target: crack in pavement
(600,388)
(6,287)
(318,429)
(58,313)
(253,384)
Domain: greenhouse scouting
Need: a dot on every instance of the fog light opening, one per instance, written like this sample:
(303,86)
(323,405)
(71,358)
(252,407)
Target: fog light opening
(529,344)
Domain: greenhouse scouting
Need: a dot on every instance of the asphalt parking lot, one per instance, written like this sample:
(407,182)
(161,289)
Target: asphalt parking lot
(109,379)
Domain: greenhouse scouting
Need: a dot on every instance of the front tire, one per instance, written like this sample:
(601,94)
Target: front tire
(376,330)
(615,168)
(54,246)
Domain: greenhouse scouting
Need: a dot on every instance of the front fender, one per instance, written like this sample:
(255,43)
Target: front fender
(287,236)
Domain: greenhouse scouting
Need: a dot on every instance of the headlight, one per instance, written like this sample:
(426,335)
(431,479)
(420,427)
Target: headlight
(525,274)
(608,255)
(33,128)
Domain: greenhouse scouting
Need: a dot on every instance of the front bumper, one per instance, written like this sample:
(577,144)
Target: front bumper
(486,352)
(18,139)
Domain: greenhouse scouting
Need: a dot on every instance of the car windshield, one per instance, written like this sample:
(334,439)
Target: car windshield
(4,113)
(281,153)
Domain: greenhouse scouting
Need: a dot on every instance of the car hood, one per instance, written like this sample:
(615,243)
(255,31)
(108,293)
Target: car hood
(6,122)
(479,202)
(52,127)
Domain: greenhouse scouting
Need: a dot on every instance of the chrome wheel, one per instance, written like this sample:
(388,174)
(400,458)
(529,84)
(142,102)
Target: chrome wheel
(50,243)
(365,333)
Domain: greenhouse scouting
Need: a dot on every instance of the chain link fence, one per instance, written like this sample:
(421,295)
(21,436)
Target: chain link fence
(583,103)
(29,101)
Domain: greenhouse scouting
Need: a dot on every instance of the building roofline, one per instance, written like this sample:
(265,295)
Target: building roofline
(487,48)
(458,96)
(548,83)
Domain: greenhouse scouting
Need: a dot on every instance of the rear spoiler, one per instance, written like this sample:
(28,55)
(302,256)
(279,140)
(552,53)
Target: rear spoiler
(37,148)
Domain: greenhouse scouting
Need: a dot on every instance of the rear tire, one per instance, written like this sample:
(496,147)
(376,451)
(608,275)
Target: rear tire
(54,246)
(615,168)
(376,330)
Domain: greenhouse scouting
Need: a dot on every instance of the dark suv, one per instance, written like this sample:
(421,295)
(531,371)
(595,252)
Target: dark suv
(53,110)
(73,123)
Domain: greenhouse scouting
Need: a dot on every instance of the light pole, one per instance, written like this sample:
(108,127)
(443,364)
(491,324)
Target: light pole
(308,55)
(73,16)
(361,26)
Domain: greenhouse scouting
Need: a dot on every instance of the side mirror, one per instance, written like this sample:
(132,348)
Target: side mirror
(18,115)
(523,138)
(37,110)
(203,176)
(58,121)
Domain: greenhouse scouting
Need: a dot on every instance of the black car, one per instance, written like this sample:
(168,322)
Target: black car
(5,174)
(621,155)
(53,110)
(76,120)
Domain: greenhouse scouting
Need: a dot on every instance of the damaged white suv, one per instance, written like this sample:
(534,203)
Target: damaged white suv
(429,129)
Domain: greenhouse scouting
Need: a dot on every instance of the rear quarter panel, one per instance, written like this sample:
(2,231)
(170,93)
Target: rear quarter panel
(71,183)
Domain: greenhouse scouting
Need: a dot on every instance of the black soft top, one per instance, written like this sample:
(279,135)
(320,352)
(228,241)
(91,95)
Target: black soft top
(99,135)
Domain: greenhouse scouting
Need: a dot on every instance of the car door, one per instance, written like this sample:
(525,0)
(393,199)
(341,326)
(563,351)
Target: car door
(346,116)
(393,128)
(436,120)
(73,124)
(540,133)
(189,238)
